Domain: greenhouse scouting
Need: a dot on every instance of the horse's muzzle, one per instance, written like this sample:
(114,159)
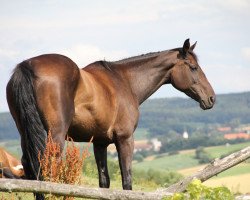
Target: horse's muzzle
(208,104)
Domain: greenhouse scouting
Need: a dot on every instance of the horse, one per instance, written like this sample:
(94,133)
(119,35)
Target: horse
(50,92)
(10,166)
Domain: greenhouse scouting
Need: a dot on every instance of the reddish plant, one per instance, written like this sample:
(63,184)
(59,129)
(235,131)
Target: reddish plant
(63,167)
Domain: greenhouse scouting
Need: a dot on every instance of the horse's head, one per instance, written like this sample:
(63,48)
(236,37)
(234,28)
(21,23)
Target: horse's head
(188,77)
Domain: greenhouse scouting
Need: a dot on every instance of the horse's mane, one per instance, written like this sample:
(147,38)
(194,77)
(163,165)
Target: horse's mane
(151,55)
(140,58)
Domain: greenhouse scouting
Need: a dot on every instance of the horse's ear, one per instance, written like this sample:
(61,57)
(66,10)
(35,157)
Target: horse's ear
(193,46)
(186,47)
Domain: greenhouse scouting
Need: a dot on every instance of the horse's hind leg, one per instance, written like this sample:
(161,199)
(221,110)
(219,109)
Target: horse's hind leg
(100,152)
(57,107)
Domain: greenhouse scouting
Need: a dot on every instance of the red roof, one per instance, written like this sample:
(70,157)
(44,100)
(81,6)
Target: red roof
(233,136)
(224,129)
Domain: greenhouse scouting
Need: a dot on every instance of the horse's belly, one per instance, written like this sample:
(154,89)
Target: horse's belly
(84,126)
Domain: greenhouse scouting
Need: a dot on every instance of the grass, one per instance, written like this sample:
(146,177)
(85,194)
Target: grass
(185,159)
(222,150)
(240,169)
(173,162)
(237,184)
(243,168)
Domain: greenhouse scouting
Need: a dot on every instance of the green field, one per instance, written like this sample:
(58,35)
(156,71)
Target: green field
(172,163)
(222,150)
(185,159)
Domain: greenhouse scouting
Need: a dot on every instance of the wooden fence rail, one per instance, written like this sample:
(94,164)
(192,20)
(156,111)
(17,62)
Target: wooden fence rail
(17,185)
(214,168)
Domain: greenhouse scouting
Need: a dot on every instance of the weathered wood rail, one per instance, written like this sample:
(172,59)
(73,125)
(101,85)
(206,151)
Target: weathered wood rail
(15,185)
(214,168)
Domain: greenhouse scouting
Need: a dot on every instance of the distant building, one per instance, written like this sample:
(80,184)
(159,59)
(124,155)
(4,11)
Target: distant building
(141,145)
(224,129)
(233,136)
(156,144)
(246,129)
(185,135)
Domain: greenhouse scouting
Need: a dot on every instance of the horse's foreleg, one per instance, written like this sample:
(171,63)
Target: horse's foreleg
(125,148)
(100,152)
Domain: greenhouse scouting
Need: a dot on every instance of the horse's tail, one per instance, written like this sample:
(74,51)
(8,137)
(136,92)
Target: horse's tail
(28,118)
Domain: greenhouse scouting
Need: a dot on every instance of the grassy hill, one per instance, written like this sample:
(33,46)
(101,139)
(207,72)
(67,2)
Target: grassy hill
(186,159)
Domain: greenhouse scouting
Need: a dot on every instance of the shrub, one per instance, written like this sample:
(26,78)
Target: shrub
(197,191)
(202,155)
(159,177)
(138,157)
(173,153)
(62,168)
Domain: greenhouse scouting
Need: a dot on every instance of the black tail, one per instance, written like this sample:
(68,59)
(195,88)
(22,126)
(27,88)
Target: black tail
(32,127)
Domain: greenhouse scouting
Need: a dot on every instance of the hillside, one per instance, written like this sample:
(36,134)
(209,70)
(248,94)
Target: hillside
(163,116)
(8,128)
(168,115)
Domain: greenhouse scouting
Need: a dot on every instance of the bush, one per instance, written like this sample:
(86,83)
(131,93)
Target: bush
(138,157)
(202,155)
(162,178)
(173,153)
(197,191)
(62,168)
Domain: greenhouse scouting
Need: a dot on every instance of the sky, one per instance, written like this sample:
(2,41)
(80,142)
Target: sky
(87,31)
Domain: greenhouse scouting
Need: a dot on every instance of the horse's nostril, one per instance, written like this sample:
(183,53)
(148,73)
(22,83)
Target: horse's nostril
(212,99)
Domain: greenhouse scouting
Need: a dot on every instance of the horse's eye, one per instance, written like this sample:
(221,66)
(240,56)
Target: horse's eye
(193,67)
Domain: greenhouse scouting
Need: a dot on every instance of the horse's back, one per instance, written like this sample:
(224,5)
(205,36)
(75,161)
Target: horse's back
(55,65)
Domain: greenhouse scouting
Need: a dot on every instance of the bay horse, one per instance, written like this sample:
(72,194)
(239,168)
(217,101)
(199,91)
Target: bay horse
(50,92)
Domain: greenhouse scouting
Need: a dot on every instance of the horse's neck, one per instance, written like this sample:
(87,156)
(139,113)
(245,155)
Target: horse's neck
(148,74)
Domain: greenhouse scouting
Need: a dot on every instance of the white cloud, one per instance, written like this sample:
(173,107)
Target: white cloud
(84,54)
(8,53)
(246,53)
